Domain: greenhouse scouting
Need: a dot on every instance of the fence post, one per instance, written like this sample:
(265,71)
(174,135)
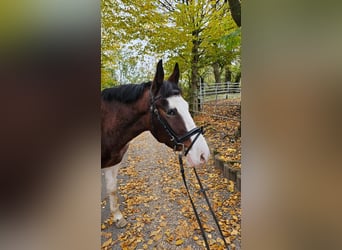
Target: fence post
(200,95)
(203,91)
(228,89)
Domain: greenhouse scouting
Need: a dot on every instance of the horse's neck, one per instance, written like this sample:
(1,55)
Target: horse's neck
(134,127)
(135,120)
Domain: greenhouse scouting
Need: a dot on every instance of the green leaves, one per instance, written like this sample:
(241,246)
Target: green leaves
(168,29)
(233,40)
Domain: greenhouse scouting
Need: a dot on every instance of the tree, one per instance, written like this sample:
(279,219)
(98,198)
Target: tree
(186,31)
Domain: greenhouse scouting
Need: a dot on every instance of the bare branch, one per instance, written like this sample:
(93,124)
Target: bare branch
(167,5)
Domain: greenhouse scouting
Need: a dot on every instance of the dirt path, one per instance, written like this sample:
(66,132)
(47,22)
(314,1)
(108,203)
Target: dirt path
(155,203)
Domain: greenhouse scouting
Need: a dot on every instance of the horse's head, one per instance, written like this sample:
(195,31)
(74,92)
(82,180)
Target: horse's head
(172,123)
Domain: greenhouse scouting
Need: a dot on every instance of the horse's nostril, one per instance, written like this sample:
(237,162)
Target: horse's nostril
(202,158)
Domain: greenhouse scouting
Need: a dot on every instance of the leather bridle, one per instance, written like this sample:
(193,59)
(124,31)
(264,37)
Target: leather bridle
(178,141)
(174,138)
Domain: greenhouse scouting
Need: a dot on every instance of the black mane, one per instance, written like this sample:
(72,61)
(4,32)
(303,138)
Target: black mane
(127,93)
(130,93)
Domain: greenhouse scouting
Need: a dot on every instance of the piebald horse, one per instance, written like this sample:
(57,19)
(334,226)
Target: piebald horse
(156,106)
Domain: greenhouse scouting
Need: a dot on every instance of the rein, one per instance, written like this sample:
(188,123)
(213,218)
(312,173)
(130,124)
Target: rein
(202,190)
(178,141)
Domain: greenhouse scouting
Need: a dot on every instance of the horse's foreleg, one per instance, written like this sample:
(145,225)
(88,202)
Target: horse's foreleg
(111,186)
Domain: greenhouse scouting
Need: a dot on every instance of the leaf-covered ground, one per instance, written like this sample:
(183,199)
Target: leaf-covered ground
(221,120)
(155,203)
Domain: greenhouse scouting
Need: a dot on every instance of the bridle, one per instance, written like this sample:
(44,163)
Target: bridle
(174,138)
(178,141)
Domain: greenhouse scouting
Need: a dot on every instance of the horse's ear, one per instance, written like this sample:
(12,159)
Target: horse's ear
(175,74)
(158,79)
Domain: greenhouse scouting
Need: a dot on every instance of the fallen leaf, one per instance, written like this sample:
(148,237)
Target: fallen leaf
(219,240)
(231,186)
(158,237)
(234,232)
(153,233)
(106,234)
(179,242)
(107,243)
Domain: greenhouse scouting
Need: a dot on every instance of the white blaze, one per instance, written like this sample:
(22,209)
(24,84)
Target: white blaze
(199,150)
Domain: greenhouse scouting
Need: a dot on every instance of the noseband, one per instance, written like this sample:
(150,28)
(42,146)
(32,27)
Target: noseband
(174,138)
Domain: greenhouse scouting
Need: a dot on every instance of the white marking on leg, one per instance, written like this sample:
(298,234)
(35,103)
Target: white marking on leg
(111,187)
(200,150)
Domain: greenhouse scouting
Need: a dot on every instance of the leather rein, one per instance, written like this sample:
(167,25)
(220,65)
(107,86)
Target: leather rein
(178,141)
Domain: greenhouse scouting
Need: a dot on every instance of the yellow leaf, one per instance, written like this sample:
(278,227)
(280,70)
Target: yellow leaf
(153,233)
(195,238)
(231,186)
(103,226)
(234,232)
(231,150)
(106,234)
(158,236)
(170,238)
(179,242)
(107,243)
(110,222)
(219,240)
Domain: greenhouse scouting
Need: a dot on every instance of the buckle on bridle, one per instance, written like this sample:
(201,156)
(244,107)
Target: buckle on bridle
(182,151)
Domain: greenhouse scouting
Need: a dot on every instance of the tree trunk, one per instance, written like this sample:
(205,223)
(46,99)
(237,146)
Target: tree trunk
(228,75)
(227,79)
(194,84)
(238,77)
(194,72)
(235,10)
(217,71)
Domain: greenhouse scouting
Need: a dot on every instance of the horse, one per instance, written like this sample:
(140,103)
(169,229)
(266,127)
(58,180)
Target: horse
(156,106)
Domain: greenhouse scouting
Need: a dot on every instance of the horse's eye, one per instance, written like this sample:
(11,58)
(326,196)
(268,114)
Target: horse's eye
(171,112)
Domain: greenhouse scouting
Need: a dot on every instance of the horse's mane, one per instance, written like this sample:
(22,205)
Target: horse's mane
(130,93)
(127,93)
